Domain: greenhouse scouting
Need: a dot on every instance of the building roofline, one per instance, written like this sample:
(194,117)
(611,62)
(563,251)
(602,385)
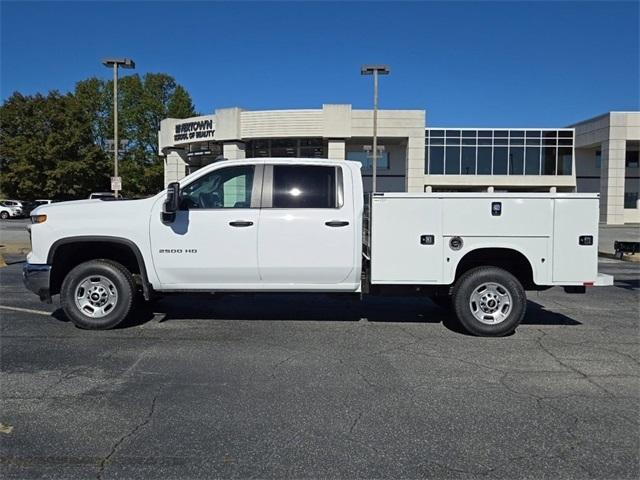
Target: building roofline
(597,117)
(499,128)
(602,115)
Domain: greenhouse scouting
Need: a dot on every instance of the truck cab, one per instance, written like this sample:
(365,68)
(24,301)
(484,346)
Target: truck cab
(258,225)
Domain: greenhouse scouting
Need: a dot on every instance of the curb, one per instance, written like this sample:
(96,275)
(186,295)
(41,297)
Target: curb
(12,249)
(625,258)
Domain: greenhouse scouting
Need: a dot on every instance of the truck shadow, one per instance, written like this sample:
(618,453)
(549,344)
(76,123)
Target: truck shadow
(628,284)
(315,307)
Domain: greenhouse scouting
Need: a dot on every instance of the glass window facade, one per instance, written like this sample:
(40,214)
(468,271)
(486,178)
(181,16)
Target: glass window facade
(499,152)
(286,147)
(365,159)
(630,199)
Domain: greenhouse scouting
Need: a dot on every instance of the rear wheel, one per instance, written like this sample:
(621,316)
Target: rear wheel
(97,294)
(489,301)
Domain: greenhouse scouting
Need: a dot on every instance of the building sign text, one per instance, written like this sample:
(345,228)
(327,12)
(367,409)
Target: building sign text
(194,130)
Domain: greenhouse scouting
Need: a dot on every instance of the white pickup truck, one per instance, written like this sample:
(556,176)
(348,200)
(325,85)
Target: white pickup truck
(301,225)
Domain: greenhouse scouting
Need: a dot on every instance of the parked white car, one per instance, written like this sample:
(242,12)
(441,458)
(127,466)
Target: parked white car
(7,212)
(11,209)
(98,195)
(296,225)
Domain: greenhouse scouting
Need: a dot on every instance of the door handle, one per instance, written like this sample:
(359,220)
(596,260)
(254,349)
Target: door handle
(336,223)
(240,223)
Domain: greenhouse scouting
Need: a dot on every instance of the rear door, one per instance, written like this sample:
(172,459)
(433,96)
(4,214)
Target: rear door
(307,229)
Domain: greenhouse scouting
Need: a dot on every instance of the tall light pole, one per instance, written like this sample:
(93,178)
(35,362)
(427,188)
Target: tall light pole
(375,70)
(115,63)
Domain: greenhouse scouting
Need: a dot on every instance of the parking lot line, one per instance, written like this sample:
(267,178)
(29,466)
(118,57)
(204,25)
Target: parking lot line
(25,310)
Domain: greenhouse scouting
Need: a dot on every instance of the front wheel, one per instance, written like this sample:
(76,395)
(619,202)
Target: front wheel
(489,301)
(4,215)
(98,294)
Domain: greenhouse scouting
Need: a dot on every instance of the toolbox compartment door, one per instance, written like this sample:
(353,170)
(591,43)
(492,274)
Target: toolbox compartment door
(406,240)
(575,261)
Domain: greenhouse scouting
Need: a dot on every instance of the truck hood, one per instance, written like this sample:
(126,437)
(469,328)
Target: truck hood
(81,209)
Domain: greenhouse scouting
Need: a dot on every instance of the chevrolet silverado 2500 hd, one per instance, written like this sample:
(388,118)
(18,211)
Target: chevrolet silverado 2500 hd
(302,225)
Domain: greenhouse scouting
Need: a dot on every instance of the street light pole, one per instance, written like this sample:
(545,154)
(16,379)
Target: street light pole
(374,158)
(375,70)
(115,124)
(115,63)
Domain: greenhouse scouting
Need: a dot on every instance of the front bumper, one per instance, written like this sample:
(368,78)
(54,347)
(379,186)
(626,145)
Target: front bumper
(36,278)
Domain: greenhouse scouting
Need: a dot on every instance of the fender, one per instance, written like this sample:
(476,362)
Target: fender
(146,286)
(535,273)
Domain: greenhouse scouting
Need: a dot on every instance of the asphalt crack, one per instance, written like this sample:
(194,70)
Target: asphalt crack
(63,377)
(355,422)
(280,363)
(573,369)
(121,440)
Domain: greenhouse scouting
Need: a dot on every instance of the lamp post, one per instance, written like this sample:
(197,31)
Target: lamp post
(375,70)
(115,63)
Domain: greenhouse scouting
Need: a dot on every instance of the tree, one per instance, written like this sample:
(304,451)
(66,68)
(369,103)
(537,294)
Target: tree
(55,146)
(47,148)
(143,103)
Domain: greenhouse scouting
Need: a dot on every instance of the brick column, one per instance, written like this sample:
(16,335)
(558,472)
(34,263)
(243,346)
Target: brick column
(174,167)
(612,181)
(414,179)
(233,150)
(336,149)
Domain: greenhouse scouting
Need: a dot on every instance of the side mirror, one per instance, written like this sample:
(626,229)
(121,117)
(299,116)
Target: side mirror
(172,203)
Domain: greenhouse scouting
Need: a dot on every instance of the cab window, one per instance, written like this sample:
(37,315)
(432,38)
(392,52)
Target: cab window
(225,188)
(304,186)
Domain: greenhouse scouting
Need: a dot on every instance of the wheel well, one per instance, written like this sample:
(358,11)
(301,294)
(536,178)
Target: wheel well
(68,255)
(508,259)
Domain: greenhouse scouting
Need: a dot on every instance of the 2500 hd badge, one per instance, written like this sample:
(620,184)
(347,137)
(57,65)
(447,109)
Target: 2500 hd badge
(178,250)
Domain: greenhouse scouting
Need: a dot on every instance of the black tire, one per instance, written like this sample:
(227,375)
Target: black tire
(4,215)
(119,278)
(472,284)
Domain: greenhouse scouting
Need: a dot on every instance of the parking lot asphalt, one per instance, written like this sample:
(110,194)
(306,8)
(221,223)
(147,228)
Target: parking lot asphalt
(14,231)
(284,386)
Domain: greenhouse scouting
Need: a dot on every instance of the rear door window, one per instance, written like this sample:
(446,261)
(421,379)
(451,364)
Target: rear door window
(304,186)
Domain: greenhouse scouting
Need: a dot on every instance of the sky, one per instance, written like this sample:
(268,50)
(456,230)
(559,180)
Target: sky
(480,64)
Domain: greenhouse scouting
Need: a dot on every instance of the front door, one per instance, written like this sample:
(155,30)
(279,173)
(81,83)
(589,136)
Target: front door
(307,231)
(212,243)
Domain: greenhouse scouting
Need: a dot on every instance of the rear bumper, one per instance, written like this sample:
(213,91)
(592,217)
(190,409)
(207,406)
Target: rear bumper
(36,278)
(603,280)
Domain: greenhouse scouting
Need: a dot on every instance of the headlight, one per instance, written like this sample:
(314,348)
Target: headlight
(38,218)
